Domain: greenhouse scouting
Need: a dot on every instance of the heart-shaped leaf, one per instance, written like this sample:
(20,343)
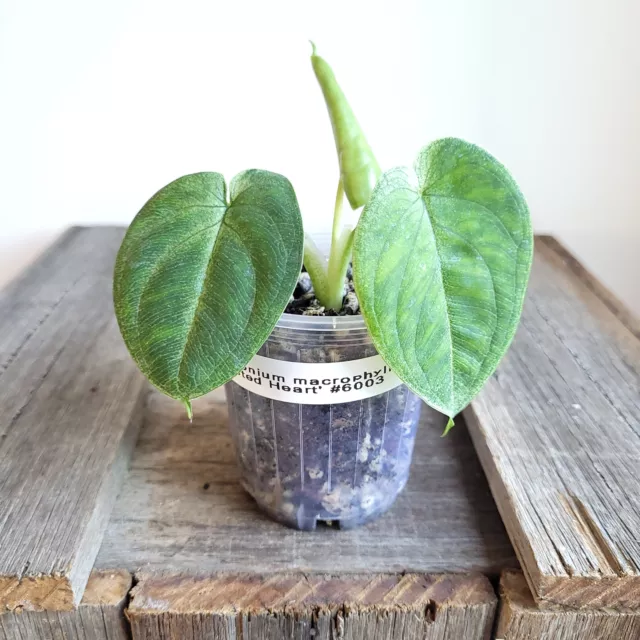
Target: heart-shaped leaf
(200,283)
(441,259)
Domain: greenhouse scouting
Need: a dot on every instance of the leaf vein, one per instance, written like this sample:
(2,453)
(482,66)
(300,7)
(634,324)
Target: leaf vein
(491,211)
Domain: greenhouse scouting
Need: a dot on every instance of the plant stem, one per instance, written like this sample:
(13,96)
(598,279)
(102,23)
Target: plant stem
(188,407)
(337,214)
(338,264)
(328,279)
(316,265)
(448,427)
(341,245)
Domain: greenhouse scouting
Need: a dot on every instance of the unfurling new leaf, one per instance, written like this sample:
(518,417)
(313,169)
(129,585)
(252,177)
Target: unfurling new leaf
(359,169)
(359,172)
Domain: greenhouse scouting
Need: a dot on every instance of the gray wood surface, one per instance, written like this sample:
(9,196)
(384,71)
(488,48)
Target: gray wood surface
(571,263)
(70,400)
(183,509)
(380,607)
(558,432)
(100,615)
(520,618)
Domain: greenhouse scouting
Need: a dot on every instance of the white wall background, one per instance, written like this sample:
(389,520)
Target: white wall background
(103,103)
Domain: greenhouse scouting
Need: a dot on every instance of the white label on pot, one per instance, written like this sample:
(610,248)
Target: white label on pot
(317,382)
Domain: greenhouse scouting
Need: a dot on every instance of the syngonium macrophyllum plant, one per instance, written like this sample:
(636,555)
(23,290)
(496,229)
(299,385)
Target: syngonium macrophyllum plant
(441,256)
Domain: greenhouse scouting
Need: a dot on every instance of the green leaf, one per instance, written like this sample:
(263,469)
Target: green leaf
(199,283)
(442,256)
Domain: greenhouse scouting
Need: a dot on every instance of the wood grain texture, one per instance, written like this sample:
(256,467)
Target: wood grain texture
(184,510)
(615,305)
(250,607)
(558,432)
(519,618)
(100,615)
(70,399)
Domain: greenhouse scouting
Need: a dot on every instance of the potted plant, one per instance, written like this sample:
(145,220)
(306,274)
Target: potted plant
(326,360)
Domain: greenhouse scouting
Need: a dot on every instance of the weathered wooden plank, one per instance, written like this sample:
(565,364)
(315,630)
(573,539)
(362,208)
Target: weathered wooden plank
(519,618)
(615,305)
(384,607)
(558,432)
(100,615)
(184,510)
(70,399)
(60,278)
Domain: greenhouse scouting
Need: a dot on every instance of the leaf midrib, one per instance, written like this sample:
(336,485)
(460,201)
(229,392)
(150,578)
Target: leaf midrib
(157,267)
(214,248)
(444,291)
(517,308)
(493,290)
(518,247)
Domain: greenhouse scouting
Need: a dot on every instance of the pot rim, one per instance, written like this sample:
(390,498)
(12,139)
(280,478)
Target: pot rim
(294,322)
(327,324)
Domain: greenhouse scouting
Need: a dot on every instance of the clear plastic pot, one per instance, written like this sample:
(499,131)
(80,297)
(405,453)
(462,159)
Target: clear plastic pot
(342,464)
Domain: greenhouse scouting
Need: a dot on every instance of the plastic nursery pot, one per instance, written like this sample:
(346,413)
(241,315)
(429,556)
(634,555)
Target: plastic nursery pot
(343,463)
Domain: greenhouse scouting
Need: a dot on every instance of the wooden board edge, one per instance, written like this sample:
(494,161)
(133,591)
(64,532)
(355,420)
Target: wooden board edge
(227,606)
(503,499)
(107,497)
(107,588)
(32,593)
(183,593)
(587,592)
(99,616)
(520,617)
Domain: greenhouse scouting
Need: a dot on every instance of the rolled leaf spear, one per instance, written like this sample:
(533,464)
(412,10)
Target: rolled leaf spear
(359,172)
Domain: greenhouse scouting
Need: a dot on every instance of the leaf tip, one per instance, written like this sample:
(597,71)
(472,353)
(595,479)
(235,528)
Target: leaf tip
(189,408)
(448,428)
(313,47)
